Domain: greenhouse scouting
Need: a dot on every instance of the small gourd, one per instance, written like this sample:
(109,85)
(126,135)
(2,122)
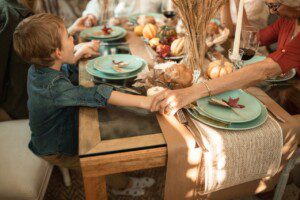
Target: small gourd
(219,68)
(177,47)
(149,31)
(138,30)
(154,42)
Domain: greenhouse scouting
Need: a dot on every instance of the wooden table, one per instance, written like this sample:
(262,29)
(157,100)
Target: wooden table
(99,157)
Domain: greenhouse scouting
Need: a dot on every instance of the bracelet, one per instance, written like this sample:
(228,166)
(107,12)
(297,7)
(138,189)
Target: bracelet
(209,91)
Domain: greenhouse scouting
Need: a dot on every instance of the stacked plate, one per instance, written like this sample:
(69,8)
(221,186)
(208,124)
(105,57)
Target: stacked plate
(251,116)
(96,33)
(105,67)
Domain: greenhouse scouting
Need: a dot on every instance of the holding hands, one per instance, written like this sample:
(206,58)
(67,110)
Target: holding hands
(87,49)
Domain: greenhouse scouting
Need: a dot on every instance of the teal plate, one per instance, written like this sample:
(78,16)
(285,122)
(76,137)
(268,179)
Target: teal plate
(251,111)
(91,32)
(104,64)
(157,16)
(110,39)
(261,119)
(94,72)
(255,59)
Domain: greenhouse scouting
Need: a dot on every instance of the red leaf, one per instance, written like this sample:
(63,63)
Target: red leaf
(233,103)
(105,30)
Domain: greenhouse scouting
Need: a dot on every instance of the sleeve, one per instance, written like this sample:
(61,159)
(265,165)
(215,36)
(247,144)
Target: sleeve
(269,35)
(65,94)
(93,8)
(287,58)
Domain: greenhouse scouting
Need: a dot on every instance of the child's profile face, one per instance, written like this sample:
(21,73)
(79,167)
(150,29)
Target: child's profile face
(67,50)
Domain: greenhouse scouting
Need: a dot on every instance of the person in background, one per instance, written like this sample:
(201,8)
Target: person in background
(255,14)
(13,69)
(123,8)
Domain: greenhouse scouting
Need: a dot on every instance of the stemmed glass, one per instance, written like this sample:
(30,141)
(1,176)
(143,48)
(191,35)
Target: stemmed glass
(168,10)
(249,42)
(107,8)
(237,62)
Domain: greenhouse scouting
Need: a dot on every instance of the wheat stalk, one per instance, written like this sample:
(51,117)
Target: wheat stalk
(196,15)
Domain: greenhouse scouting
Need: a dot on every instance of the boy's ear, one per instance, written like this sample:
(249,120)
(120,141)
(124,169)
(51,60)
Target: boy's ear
(57,54)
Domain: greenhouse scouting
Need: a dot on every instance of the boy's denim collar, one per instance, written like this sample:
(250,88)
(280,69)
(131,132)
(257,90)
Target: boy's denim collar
(45,69)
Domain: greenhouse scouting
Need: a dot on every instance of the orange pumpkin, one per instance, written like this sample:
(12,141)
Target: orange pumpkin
(219,68)
(149,31)
(138,30)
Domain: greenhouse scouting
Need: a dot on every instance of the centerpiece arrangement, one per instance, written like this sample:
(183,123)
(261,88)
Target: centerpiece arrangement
(196,17)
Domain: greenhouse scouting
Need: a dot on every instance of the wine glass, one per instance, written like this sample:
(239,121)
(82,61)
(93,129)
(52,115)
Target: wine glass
(107,8)
(249,42)
(237,62)
(168,9)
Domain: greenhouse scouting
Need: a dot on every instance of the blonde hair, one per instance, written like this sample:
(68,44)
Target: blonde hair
(37,37)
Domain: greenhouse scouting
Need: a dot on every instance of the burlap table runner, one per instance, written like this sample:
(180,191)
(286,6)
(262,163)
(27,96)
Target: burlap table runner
(184,160)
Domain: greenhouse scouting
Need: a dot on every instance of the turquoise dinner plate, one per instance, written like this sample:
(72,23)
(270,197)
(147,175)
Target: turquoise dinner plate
(90,32)
(94,72)
(104,64)
(251,111)
(111,39)
(157,17)
(255,59)
(261,119)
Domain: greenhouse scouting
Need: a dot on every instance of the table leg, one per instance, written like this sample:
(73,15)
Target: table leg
(95,188)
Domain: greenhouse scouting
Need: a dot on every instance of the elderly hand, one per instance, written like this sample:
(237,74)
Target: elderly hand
(169,101)
(87,49)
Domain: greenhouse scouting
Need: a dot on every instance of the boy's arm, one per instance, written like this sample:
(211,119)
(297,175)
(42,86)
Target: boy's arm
(66,94)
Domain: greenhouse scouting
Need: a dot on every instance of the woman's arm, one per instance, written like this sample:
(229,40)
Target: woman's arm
(243,78)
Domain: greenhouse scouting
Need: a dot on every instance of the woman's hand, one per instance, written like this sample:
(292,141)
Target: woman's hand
(78,25)
(87,49)
(169,101)
(90,21)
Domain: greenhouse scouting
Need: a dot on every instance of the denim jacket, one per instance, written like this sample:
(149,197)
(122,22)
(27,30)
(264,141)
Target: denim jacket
(53,103)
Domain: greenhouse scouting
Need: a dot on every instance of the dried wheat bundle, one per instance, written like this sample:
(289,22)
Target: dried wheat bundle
(196,15)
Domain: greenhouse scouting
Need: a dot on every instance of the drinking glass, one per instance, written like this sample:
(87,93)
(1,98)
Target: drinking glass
(168,9)
(249,42)
(107,8)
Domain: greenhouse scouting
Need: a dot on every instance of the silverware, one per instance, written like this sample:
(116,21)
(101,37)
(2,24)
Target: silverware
(119,87)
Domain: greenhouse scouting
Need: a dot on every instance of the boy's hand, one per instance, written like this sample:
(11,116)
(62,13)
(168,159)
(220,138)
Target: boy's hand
(87,49)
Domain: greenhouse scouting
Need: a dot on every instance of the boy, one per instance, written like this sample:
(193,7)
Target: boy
(53,101)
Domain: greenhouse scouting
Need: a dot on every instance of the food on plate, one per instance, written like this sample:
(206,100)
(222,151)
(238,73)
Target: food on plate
(143,20)
(163,50)
(219,68)
(138,30)
(118,65)
(154,42)
(177,47)
(166,34)
(179,75)
(149,31)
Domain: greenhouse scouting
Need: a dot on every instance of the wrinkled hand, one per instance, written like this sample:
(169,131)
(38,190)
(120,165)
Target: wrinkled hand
(78,25)
(90,20)
(169,101)
(87,49)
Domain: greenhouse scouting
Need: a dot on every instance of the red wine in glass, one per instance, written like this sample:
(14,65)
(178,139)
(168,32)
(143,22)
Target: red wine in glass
(248,54)
(169,14)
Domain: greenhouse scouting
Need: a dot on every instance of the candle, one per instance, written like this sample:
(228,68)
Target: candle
(237,39)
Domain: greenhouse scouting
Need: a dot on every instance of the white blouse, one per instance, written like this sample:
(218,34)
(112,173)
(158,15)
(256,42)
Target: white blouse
(257,12)
(125,7)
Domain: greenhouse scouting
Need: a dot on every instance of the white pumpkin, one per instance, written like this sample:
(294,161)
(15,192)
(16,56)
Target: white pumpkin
(177,47)
(219,68)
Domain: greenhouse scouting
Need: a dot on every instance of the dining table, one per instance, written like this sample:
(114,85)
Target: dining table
(116,140)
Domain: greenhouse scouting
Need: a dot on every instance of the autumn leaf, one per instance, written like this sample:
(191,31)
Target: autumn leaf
(233,103)
(106,31)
